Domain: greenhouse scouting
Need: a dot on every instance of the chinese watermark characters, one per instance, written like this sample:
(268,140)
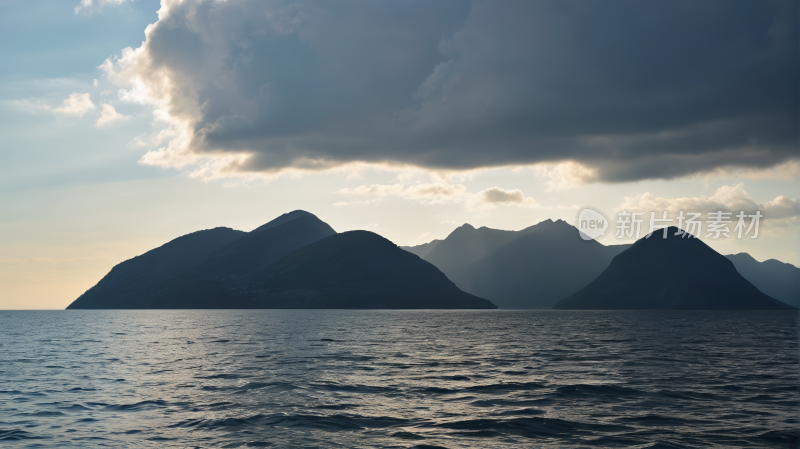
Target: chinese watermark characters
(592,224)
(689,225)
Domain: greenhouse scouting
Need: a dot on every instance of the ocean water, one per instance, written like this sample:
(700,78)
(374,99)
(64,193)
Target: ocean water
(283,378)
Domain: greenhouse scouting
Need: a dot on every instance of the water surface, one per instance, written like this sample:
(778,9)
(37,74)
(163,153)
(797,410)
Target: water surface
(277,378)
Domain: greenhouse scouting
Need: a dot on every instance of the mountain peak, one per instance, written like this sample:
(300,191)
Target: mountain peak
(285,218)
(676,272)
(466,228)
(742,256)
(673,232)
(559,227)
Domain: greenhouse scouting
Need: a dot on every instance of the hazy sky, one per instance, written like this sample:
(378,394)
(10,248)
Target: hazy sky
(125,124)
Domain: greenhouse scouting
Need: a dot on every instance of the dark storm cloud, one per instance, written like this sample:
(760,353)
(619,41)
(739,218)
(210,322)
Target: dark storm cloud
(631,89)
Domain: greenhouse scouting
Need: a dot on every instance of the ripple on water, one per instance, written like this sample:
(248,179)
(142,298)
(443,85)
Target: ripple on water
(400,379)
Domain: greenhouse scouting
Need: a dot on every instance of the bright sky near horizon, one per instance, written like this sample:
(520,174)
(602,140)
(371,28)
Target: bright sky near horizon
(125,124)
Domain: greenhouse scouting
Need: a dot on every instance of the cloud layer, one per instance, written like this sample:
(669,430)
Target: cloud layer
(781,211)
(441,192)
(89,6)
(624,89)
(109,115)
(75,104)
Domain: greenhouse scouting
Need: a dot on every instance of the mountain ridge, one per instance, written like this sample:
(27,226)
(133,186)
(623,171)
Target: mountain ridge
(775,278)
(232,254)
(465,245)
(253,270)
(538,268)
(499,265)
(677,272)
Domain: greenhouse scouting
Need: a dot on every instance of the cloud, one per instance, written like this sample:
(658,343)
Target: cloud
(787,171)
(109,115)
(613,91)
(76,104)
(567,174)
(493,197)
(436,190)
(500,196)
(89,6)
(439,193)
(374,189)
(430,193)
(727,199)
(363,203)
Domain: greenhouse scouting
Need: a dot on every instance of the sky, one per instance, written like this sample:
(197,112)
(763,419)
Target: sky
(125,124)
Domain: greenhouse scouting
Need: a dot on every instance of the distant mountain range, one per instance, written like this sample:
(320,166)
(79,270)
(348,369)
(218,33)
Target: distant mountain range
(676,272)
(542,264)
(531,268)
(422,250)
(294,261)
(777,279)
(298,261)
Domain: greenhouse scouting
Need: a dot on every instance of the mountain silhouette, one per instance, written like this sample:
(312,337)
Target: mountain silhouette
(530,268)
(285,218)
(358,269)
(670,273)
(168,285)
(547,263)
(777,279)
(261,246)
(466,245)
(223,268)
(423,249)
(138,275)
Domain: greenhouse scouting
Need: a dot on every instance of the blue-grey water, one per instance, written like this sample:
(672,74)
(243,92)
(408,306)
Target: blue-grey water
(283,378)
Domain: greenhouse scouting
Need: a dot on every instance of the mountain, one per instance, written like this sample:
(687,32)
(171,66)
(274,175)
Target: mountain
(671,273)
(547,263)
(294,261)
(261,246)
(777,279)
(150,269)
(466,245)
(165,284)
(422,250)
(285,218)
(358,269)
(531,268)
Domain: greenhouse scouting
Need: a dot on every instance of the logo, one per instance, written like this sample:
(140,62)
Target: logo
(591,223)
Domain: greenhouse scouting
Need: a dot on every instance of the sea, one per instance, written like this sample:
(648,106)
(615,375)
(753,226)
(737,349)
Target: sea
(399,379)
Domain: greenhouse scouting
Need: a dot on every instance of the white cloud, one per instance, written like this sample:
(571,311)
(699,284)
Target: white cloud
(362,203)
(427,193)
(500,196)
(567,174)
(374,189)
(781,211)
(442,192)
(436,192)
(89,6)
(109,115)
(76,104)
(495,196)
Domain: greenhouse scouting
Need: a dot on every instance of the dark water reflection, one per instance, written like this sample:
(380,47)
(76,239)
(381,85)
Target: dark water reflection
(399,379)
